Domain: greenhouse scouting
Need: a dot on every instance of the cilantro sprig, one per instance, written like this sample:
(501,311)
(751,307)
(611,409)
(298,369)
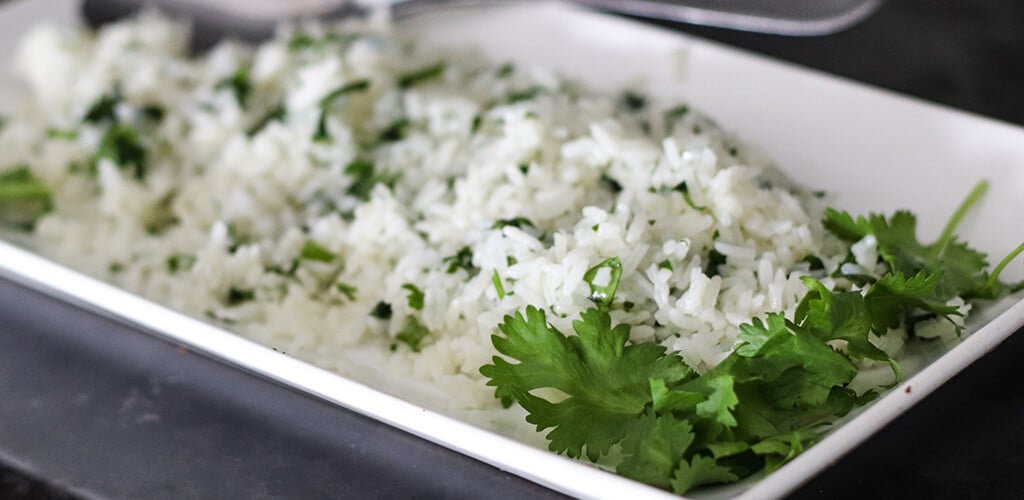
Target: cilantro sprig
(962,270)
(780,389)
(772,397)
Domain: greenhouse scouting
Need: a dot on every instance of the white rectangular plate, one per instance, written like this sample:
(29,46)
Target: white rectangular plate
(873,150)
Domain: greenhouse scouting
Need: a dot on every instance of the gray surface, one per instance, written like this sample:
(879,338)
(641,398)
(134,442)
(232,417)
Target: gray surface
(102,410)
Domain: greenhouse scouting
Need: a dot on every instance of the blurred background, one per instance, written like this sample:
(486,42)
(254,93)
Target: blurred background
(229,435)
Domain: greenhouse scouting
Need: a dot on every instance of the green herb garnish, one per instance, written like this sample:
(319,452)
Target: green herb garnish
(463,259)
(421,75)
(122,145)
(518,222)
(180,262)
(23,198)
(105,108)
(327,102)
(412,334)
(347,290)
(769,400)
(395,131)
(415,297)
(312,250)
(62,134)
(685,191)
(238,296)
(498,287)
(604,282)
(381,311)
(239,83)
(524,94)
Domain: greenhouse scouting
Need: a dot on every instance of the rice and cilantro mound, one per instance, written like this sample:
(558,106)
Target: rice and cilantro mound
(339,196)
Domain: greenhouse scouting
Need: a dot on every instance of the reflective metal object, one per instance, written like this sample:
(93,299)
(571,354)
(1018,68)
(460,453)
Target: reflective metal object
(255,19)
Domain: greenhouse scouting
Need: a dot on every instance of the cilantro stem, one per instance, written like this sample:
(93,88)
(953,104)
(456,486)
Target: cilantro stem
(994,277)
(954,221)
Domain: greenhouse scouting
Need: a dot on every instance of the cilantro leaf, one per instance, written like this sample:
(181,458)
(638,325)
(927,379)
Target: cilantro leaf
(312,250)
(463,259)
(347,290)
(122,145)
(327,102)
(277,113)
(23,198)
(415,296)
(239,83)
(412,334)
(423,74)
(699,471)
(603,280)
(105,108)
(961,268)
(652,449)
(498,287)
(518,222)
(606,381)
(381,311)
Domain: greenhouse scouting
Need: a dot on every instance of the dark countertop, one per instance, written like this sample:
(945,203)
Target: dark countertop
(92,408)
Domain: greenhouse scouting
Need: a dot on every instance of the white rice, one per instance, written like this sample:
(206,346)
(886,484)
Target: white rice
(244,207)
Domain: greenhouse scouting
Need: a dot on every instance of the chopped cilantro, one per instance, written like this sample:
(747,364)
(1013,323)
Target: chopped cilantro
(381,311)
(519,222)
(239,83)
(420,75)
(612,185)
(524,94)
(180,262)
(506,70)
(498,287)
(814,261)
(412,334)
(354,86)
(347,290)
(675,113)
(327,102)
(665,264)
(122,145)
(415,296)
(395,131)
(311,250)
(715,259)
(303,41)
(238,296)
(364,178)
(604,281)
(23,198)
(277,113)
(62,134)
(105,108)
(153,112)
(474,127)
(463,259)
(634,101)
(685,190)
